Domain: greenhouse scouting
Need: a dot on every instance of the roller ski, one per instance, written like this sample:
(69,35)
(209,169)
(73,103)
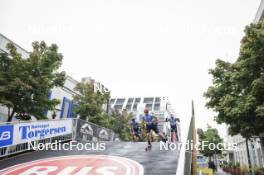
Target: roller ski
(148,148)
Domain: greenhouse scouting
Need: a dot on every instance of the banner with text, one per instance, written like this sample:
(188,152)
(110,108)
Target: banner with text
(12,134)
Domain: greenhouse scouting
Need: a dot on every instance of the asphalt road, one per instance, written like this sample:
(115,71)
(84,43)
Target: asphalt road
(154,162)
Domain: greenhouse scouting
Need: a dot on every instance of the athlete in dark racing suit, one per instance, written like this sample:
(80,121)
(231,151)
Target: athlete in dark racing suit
(134,129)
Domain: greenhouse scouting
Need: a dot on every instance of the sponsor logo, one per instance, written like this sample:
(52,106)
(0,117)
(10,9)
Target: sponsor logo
(6,135)
(103,134)
(38,131)
(78,165)
(86,129)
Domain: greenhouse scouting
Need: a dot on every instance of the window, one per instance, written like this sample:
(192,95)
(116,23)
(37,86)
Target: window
(120,101)
(148,100)
(128,107)
(138,100)
(156,107)
(135,107)
(118,107)
(157,100)
(66,109)
(112,101)
(149,106)
(130,100)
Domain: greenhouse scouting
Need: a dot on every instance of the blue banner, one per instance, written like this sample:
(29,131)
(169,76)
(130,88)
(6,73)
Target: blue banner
(6,135)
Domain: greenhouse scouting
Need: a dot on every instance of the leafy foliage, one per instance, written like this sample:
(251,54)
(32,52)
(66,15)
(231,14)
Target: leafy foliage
(90,103)
(120,124)
(211,136)
(237,93)
(25,83)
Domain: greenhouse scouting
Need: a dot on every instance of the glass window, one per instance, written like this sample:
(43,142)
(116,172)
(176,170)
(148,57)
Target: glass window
(149,106)
(120,101)
(130,100)
(118,107)
(157,100)
(157,107)
(112,100)
(135,107)
(138,100)
(66,108)
(128,107)
(148,100)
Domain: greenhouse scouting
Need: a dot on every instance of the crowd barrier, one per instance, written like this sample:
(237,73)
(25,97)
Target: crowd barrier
(15,137)
(87,131)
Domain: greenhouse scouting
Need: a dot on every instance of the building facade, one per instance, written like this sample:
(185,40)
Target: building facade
(240,154)
(4,41)
(159,106)
(260,13)
(65,94)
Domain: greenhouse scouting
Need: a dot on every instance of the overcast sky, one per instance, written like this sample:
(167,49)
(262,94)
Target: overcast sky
(137,47)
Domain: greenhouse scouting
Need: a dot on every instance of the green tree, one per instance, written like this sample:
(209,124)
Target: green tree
(89,104)
(26,83)
(119,123)
(237,91)
(210,136)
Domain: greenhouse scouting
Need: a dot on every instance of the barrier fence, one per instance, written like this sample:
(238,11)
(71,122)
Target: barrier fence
(190,153)
(15,137)
(87,131)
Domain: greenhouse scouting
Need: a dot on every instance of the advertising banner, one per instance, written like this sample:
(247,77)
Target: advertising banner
(12,134)
(41,130)
(6,135)
(87,131)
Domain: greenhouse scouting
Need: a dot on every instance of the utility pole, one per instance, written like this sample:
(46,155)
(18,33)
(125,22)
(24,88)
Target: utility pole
(249,160)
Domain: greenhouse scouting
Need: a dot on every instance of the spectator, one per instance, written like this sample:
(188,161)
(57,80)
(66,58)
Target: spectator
(211,165)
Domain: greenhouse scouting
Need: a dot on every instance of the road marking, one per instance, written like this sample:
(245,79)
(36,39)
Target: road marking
(78,165)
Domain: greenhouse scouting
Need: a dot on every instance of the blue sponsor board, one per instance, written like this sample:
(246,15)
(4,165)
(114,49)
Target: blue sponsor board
(6,135)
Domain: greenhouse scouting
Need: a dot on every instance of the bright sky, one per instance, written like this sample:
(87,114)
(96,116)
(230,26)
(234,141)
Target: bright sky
(137,47)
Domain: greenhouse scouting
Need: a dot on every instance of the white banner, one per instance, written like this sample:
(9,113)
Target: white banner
(26,132)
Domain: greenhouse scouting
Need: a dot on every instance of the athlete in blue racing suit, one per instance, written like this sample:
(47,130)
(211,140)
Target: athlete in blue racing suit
(151,124)
(173,125)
